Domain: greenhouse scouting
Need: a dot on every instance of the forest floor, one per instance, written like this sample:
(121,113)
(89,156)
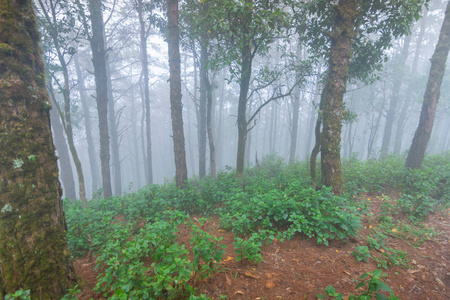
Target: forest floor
(300,268)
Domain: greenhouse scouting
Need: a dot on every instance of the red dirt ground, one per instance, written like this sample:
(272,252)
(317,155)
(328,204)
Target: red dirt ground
(300,269)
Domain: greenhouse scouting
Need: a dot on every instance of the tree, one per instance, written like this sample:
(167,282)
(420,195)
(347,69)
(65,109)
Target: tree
(97,42)
(176,107)
(57,29)
(333,93)
(33,247)
(143,36)
(353,35)
(430,99)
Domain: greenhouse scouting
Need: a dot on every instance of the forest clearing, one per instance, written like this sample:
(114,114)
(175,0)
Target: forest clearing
(274,238)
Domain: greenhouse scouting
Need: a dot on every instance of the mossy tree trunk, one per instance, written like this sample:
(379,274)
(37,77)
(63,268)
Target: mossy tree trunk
(431,97)
(333,93)
(33,246)
(176,107)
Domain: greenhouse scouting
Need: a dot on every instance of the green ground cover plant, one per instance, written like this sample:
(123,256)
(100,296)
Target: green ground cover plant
(134,237)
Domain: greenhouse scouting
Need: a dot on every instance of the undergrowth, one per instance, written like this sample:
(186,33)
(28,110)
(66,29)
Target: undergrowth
(134,237)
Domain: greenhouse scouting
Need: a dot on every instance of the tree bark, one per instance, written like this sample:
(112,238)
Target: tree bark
(33,247)
(176,107)
(431,97)
(333,94)
(101,83)
(88,127)
(144,63)
(64,158)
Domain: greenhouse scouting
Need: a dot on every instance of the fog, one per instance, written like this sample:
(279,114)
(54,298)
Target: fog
(401,78)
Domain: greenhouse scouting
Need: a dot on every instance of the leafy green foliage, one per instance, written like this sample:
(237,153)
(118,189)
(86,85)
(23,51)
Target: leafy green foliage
(362,253)
(372,284)
(134,237)
(20,294)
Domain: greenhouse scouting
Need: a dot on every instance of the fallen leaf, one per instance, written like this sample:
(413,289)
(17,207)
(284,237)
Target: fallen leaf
(410,271)
(337,251)
(296,260)
(220,230)
(370,226)
(228,279)
(238,293)
(278,250)
(248,274)
(228,258)
(348,273)
(270,284)
(394,230)
(439,281)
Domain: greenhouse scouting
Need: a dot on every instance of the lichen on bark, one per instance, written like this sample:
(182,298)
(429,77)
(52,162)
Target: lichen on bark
(33,247)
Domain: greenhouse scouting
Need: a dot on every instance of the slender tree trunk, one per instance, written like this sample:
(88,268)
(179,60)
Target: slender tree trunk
(212,148)
(101,83)
(244,84)
(317,145)
(431,97)
(295,117)
(202,105)
(137,167)
(175,92)
(407,100)
(113,123)
(67,124)
(219,144)
(53,32)
(144,63)
(33,247)
(142,133)
(397,84)
(88,127)
(63,153)
(333,93)
(312,113)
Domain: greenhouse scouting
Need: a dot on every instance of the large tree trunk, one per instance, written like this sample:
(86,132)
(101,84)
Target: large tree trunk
(101,83)
(144,63)
(202,106)
(176,107)
(333,93)
(65,166)
(397,84)
(88,127)
(33,246)
(431,97)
